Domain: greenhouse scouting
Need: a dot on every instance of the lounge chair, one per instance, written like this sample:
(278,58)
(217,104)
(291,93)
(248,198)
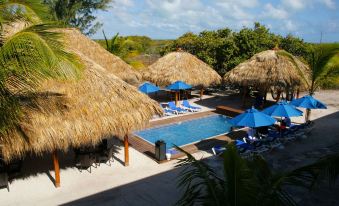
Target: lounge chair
(187,105)
(168,112)
(218,150)
(172,106)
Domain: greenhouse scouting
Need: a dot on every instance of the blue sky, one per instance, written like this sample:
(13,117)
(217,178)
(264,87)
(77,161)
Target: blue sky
(169,19)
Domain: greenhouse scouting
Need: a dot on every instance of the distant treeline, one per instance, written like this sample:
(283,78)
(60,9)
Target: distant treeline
(224,49)
(138,51)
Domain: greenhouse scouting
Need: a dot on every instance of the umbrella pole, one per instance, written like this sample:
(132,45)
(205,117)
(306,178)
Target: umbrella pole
(126,150)
(56,169)
(201,93)
(308,114)
(176,98)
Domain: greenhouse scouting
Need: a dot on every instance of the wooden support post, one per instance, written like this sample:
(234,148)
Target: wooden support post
(176,98)
(56,169)
(298,93)
(201,93)
(126,150)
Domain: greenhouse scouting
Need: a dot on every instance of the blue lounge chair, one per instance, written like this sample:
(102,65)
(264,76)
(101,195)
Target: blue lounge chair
(168,112)
(218,150)
(186,104)
(172,106)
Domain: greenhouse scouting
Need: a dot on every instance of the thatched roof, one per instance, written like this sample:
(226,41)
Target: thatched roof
(77,41)
(270,68)
(181,66)
(72,113)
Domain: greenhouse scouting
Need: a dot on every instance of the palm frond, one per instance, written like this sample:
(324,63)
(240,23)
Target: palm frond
(29,10)
(36,53)
(240,181)
(200,182)
(319,60)
(309,175)
(292,59)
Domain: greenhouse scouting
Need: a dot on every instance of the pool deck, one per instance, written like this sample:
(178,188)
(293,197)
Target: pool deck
(148,149)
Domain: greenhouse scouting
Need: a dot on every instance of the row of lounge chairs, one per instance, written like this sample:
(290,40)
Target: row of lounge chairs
(267,142)
(172,109)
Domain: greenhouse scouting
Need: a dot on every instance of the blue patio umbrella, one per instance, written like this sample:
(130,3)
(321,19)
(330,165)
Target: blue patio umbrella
(148,88)
(179,85)
(283,109)
(308,102)
(252,118)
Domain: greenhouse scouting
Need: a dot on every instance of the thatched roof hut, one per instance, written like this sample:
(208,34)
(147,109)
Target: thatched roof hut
(270,68)
(181,66)
(77,41)
(79,112)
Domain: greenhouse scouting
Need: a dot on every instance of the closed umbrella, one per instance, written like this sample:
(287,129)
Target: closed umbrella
(177,86)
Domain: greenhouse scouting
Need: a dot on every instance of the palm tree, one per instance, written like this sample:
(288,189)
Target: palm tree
(113,45)
(323,61)
(27,56)
(247,182)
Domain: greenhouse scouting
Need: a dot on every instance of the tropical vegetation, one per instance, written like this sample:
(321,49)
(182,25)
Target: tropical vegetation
(78,13)
(224,49)
(248,181)
(30,52)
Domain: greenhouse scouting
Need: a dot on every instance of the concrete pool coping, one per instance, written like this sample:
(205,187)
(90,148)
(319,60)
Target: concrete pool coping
(148,148)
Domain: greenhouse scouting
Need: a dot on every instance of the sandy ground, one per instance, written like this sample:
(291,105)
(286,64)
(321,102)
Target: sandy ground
(145,182)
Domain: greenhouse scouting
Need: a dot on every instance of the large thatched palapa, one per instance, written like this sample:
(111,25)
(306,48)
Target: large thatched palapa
(270,68)
(181,66)
(93,50)
(73,113)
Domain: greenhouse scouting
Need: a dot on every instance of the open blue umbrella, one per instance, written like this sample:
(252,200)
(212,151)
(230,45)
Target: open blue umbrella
(283,109)
(179,85)
(148,88)
(252,118)
(308,102)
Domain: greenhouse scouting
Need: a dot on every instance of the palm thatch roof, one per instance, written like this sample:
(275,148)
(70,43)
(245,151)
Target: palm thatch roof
(77,41)
(181,66)
(270,68)
(67,114)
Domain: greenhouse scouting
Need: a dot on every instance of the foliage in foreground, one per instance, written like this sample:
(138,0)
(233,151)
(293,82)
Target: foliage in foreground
(248,182)
(28,57)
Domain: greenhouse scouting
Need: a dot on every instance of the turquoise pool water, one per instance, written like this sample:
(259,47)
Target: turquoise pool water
(186,132)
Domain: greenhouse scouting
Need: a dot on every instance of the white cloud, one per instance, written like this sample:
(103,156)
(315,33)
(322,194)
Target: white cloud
(329,3)
(290,26)
(295,4)
(274,12)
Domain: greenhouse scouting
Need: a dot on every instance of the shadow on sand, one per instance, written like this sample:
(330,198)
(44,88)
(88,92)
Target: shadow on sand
(33,164)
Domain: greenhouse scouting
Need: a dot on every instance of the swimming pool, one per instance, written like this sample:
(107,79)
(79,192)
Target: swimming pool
(187,132)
